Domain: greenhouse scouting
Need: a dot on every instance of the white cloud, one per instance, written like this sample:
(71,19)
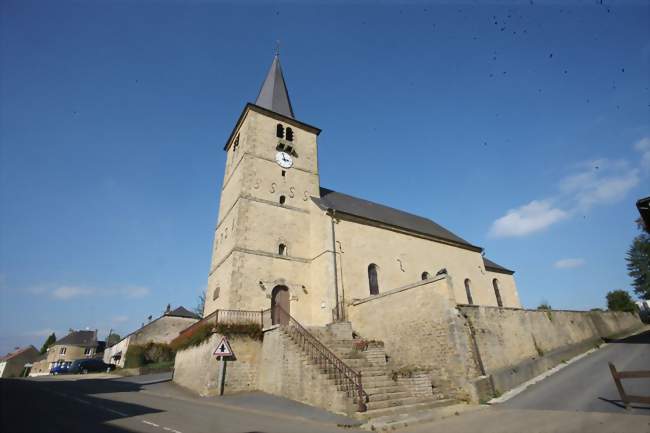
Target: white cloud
(643,146)
(530,218)
(599,182)
(135,292)
(120,319)
(68,292)
(71,292)
(40,333)
(592,183)
(569,263)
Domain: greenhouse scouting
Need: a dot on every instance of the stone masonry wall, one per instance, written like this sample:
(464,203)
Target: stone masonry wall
(516,345)
(287,374)
(197,369)
(421,327)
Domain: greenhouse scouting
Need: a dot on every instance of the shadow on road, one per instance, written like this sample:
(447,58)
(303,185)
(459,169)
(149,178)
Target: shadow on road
(620,404)
(642,338)
(64,405)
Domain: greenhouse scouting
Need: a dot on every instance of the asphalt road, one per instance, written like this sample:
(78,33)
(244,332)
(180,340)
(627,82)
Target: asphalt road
(148,404)
(587,384)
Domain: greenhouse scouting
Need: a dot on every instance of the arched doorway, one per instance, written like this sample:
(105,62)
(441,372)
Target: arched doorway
(280,298)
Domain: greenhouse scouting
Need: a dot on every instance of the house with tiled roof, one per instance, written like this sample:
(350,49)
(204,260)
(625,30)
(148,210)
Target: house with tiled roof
(13,363)
(160,330)
(76,345)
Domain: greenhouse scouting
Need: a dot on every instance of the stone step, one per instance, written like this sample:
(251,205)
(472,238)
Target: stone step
(383,389)
(405,409)
(388,396)
(374,381)
(402,420)
(396,402)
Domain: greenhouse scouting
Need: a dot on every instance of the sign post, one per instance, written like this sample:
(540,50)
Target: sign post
(222,351)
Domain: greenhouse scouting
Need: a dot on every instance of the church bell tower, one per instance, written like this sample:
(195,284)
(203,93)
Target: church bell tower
(261,251)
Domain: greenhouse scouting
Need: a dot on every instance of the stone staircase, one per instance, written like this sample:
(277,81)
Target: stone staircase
(391,403)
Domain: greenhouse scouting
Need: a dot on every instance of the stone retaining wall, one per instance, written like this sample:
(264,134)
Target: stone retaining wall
(516,345)
(197,369)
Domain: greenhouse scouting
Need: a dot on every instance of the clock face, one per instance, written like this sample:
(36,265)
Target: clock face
(284,159)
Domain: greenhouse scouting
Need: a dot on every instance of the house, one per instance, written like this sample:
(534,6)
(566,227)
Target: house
(12,364)
(160,330)
(76,345)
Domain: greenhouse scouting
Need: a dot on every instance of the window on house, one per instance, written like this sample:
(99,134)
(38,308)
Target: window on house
(373,279)
(215,294)
(468,291)
(282,249)
(88,351)
(284,173)
(282,199)
(289,134)
(279,131)
(426,275)
(497,293)
(62,351)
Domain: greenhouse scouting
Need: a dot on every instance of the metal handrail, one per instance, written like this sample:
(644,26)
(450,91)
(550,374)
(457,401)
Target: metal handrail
(345,376)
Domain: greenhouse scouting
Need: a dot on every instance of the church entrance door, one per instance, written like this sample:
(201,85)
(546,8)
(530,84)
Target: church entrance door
(280,298)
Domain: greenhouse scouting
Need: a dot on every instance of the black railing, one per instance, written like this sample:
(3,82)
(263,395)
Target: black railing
(345,377)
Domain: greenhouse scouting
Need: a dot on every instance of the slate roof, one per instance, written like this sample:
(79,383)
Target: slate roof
(183,312)
(273,94)
(491,266)
(377,212)
(10,355)
(79,338)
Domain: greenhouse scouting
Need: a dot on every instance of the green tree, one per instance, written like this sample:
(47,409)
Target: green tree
(544,306)
(638,263)
(48,342)
(200,304)
(112,339)
(620,300)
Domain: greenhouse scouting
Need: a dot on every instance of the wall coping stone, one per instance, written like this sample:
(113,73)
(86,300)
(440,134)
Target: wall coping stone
(399,289)
(539,311)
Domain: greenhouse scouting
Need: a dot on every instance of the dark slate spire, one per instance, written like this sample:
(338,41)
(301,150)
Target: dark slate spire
(273,94)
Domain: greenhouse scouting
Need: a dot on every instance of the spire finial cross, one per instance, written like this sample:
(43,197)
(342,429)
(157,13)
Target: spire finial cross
(277,47)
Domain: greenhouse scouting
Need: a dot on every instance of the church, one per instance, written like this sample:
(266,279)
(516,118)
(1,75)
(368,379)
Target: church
(361,308)
(283,239)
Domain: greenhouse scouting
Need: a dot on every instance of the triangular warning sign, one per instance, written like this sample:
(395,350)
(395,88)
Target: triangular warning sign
(223,348)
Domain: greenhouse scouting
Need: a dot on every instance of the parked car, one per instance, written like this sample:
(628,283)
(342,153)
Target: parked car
(84,366)
(63,368)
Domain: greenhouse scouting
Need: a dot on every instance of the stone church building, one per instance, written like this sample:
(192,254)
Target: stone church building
(282,238)
(365,309)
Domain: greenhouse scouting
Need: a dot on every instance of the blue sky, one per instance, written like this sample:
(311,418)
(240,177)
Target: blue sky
(521,127)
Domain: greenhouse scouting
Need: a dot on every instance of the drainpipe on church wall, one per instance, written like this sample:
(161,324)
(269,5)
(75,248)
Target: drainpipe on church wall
(336,279)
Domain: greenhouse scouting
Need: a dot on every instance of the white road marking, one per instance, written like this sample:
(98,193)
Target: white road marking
(171,430)
(116,412)
(150,423)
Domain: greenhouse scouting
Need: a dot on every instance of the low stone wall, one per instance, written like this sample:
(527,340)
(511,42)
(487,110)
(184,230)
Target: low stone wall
(287,374)
(197,369)
(516,345)
(421,328)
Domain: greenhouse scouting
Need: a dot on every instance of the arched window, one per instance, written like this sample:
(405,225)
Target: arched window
(282,199)
(289,134)
(279,131)
(373,279)
(468,291)
(497,293)
(426,275)
(282,249)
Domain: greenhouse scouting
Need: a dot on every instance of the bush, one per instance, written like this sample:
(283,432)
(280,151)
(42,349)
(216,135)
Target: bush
(194,338)
(134,356)
(157,352)
(252,330)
